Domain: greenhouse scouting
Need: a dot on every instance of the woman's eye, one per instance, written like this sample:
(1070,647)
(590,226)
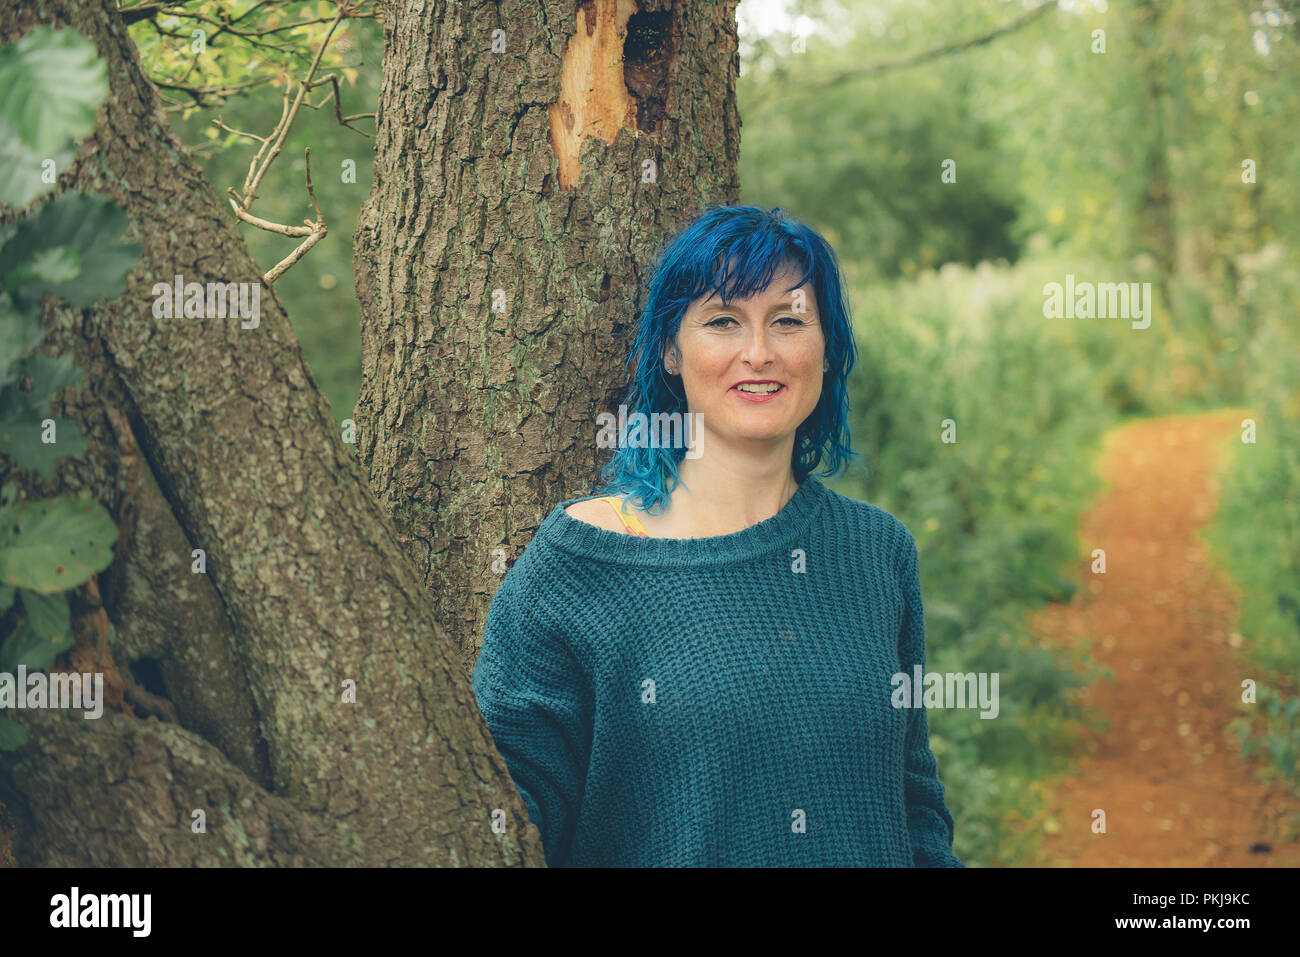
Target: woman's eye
(789,319)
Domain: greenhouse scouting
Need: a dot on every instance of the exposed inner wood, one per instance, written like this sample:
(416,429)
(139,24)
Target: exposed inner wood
(594,99)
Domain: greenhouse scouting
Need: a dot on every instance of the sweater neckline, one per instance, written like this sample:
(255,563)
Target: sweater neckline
(577,537)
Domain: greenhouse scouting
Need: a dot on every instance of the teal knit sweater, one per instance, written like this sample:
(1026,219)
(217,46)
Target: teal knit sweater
(718,702)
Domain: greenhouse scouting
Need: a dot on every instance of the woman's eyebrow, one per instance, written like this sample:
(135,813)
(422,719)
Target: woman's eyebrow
(705,310)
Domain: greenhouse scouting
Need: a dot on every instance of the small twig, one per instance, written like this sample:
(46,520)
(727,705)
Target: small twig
(253,136)
(266,224)
(311,190)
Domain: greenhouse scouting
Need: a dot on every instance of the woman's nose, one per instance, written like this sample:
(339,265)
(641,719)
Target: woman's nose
(758,350)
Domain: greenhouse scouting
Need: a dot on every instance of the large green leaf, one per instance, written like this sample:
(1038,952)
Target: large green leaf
(12,734)
(51,83)
(90,226)
(22,169)
(19,335)
(21,430)
(53,265)
(48,615)
(55,544)
(25,647)
(50,376)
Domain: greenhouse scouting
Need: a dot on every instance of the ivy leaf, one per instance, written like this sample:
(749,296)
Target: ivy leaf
(12,734)
(55,544)
(48,615)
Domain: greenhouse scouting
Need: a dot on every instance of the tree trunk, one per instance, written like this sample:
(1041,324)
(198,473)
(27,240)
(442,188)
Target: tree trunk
(530,157)
(203,434)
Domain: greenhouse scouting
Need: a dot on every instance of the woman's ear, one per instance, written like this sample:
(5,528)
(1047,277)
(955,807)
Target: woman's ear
(670,359)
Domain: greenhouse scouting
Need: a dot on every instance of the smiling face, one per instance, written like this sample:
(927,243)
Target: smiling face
(752,368)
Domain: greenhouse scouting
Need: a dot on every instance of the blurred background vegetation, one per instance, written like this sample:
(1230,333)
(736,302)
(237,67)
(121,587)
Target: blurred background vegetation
(1119,166)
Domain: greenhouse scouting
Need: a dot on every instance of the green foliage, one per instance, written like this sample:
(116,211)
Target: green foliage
(319,291)
(994,513)
(1255,534)
(51,82)
(12,734)
(53,544)
(82,233)
(1118,166)
(1279,737)
(228,48)
(69,250)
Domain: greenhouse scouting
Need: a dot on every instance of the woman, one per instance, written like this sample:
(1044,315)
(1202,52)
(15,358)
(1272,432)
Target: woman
(698,673)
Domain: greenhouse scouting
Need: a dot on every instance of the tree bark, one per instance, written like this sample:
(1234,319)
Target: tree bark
(203,434)
(523,182)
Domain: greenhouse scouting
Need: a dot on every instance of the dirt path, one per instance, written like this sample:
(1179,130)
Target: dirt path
(1166,773)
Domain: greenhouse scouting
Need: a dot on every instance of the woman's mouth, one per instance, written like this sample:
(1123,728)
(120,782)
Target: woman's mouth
(758,392)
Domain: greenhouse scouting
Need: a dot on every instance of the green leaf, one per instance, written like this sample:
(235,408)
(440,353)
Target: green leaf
(20,440)
(91,227)
(51,83)
(50,376)
(1292,707)
(12,734)
(51,266)
(6,598)
(55,544)
(48,615)
(19,335)
(22,169)
(25,647)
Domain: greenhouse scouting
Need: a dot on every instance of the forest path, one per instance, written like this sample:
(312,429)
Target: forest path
(1167,772)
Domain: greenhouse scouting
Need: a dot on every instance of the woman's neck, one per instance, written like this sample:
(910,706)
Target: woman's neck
(719,498)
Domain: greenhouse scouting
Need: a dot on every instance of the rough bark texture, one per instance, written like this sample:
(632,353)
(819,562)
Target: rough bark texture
(203,434)
(475,421)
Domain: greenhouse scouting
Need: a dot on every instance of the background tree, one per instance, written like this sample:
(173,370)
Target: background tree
(526,166)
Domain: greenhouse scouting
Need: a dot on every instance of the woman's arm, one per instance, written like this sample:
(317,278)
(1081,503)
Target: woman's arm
(929,824)
(535,698)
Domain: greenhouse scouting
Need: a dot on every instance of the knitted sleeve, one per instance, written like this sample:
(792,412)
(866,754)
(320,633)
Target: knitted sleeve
(929,824)
(536,700)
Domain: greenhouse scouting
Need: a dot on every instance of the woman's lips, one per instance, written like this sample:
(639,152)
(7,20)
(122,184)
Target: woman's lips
(757,396)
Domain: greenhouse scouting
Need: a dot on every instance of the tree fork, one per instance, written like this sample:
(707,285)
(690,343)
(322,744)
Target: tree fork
(305,564)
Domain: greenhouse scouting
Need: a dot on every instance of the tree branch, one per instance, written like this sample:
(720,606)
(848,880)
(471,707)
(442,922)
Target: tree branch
(903,63)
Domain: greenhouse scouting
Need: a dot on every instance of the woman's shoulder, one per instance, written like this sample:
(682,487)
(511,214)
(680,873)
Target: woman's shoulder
(874,522)
(596,511)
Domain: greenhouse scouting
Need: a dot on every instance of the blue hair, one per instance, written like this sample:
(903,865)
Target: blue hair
(732,251)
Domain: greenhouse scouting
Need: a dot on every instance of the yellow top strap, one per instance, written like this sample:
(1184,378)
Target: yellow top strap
(630,521)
